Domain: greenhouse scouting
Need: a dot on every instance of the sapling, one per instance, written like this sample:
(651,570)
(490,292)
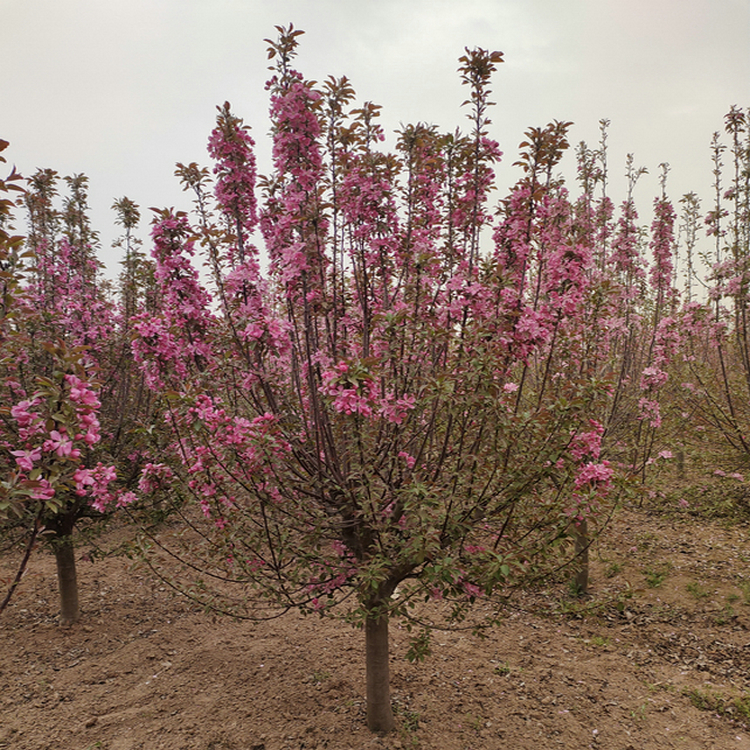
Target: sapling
(387,406)
(717,379)
(57,330)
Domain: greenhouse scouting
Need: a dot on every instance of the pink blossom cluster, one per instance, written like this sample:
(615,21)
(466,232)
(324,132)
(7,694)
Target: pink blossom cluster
(178,340)
(662,247)
(588,443)
(653,378)
(294,212)
(354,391)
(350,396)
(65,288)
(97,483)
(154,476)
(649,411)
(56,431)
(231,147)
(626,255)
(232,447)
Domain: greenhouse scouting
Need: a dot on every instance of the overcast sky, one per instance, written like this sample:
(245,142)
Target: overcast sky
(122,90)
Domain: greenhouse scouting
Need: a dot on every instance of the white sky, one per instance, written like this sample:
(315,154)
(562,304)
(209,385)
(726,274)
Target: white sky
(121,90)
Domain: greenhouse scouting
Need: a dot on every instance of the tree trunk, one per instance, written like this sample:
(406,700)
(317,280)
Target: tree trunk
(67,582)
(581,580)
(379,711)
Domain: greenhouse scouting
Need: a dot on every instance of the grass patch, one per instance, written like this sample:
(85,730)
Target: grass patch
(733,707)
(722,498)
(475,723)
(503,668)
(697,591)
(612,570)
(725,615)
(656,574)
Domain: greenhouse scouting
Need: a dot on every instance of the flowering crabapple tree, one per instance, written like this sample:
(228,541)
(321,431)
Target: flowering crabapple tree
(637,302)
(54,333)
(716,383)
(11,254)
(387,406)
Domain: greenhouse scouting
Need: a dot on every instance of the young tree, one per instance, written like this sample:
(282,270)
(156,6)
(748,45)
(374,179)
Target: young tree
(387,407)
(717,385)
(53,343)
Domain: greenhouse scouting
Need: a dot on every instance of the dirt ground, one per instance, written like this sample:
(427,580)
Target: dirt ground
(658,657)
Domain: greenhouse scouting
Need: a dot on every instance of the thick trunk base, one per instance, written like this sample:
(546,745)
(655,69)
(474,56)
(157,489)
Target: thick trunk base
(581,579)
(681,463)
(67,582)
(379,710)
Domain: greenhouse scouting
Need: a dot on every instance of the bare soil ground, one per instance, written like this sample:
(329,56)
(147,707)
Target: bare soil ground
(658,657)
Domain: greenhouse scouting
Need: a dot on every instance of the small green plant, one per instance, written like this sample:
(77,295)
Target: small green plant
(697,591)
(475,722)
(703,699)
(600,641)
(725,615)
(745,589)
(655,687)
(407,724)
(647,540)
(409,718)
(320,676)
(655,575)
(612,570)
(502,668)
(639,713)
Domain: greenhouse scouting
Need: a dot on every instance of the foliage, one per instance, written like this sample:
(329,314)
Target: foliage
(59,335)
(386,407)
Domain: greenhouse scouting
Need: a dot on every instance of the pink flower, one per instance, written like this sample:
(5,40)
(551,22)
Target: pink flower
(395,410)
(20,412)
(62,445)
(653,378)
(650,411)
(43,491)
(153,476)
(472,590)
(410,460)
(25,459)
(83,479)
(81,392)
(593,473)
(588,443)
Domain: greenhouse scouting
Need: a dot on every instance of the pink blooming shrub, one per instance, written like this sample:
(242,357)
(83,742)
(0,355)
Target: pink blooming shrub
(382,380)
(60,332)
(387,395)
(56,428)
